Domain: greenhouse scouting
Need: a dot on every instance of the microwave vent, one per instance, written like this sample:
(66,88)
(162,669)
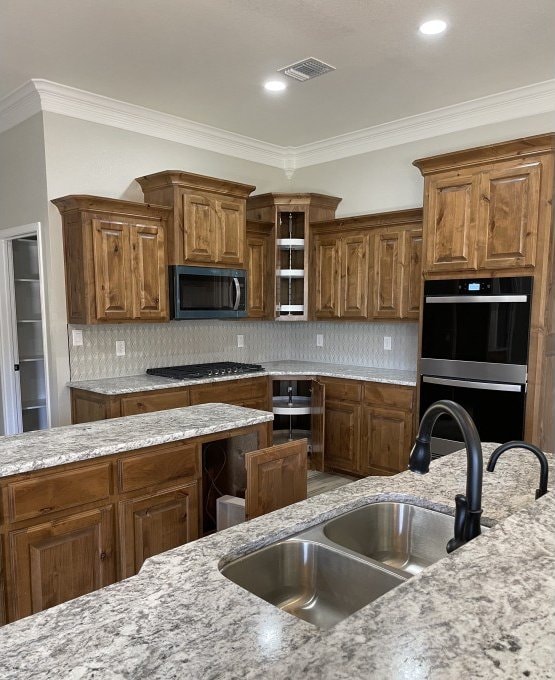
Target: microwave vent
(306,69)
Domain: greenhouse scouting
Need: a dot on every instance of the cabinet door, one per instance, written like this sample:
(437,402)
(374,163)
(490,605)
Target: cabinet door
(326,276)
(317,424)
(508,216)
(259,277)
(412,274)
(342,435)
(150,278)
(386,441)
(59,560)
(154,401)
(450,218)
(386,278)
(276,477)
(231,232)
(199,215)
(112,270)
(3,610)
(354,277)
(154,523)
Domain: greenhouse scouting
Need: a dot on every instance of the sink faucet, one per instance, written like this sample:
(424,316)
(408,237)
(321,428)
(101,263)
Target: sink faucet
(468,508)
(540,455)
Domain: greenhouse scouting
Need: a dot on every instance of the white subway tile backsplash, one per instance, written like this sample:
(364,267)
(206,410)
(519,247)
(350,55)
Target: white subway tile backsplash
(182,342)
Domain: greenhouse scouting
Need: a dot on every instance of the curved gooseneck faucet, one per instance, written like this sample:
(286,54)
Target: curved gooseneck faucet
(540,455)
(468,508)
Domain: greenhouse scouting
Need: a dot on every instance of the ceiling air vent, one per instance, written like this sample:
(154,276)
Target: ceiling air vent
(306,69)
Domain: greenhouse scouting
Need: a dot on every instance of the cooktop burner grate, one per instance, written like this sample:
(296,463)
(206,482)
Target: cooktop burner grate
(195,371)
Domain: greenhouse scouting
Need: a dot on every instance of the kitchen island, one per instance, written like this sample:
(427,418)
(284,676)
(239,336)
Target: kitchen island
(484,611)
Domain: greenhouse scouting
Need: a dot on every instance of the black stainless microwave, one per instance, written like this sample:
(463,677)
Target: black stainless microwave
(207,293)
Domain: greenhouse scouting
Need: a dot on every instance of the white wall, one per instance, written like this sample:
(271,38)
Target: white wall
(386,179)
(89,158)
(22,180)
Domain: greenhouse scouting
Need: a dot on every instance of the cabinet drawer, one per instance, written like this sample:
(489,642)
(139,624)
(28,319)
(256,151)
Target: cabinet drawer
(49,493)
(229,392)
(345,390)
(155,401)
(160,465)
(382,394)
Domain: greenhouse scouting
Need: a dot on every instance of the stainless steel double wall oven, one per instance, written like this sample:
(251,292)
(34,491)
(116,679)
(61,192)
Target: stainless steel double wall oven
(475,337)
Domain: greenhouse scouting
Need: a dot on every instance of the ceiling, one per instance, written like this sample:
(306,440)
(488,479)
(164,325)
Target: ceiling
(206,60)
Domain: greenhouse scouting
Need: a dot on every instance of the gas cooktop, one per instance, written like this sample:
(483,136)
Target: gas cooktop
(196,371)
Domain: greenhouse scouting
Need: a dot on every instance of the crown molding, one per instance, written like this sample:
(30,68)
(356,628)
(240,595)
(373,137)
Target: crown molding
(70,101)
(43,95)
(496,108)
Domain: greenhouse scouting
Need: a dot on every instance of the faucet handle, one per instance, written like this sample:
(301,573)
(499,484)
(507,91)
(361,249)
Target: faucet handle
(461,512)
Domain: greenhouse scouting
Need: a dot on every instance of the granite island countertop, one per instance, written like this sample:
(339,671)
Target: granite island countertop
(71,443)
(484,611)
(145,383)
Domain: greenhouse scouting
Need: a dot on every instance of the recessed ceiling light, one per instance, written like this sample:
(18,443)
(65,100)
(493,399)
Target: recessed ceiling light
(433,27)
(275,85)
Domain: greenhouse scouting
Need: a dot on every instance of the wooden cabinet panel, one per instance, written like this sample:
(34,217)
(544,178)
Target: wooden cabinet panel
(317,425)
(163,464)
(412,274)
(337,388)
(3,607)
(59,560)
(43,494)
(342,435)
(89,406)
(200,230)
(152,524)
(509,214)
(354,276)
(276,477)
(231,232)
(384,394)
(386,441)
(387,274)
(112,271)
(450,223)
(326,273)
(150,277)
(230,392)
(260,246)
(156,401)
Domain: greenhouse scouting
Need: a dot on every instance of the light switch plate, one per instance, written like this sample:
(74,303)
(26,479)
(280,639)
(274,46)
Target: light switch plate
(319,340)
(240,341)
(77,338)
(120,348)
(386,342)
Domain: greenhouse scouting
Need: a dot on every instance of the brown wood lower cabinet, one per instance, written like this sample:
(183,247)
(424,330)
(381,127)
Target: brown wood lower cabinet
(153,523)
(386,440)
(342,435)
(56,561)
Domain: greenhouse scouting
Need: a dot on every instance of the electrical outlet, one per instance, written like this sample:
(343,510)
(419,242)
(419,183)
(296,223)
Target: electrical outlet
(319,340)
(120,348)
(386,342)
(240,341)
(77,338)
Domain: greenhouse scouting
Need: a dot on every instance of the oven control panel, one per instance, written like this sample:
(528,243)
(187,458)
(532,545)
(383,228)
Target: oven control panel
(479,286)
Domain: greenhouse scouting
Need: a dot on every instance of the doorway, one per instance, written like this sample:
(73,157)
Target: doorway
(24,395)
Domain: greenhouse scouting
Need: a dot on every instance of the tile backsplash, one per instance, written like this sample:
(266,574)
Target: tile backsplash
(182,342)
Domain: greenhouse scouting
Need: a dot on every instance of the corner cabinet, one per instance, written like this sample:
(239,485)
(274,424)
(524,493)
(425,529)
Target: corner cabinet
(115,260)
(207,222)
(260,269)
(367,267)
(291,215)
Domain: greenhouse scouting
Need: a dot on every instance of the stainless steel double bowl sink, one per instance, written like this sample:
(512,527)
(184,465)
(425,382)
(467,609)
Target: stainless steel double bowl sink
(326,573)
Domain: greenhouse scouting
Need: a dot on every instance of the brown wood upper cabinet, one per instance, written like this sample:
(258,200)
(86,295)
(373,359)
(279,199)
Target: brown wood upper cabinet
(260,269)
(482,207)
(367,267)
(115,260)
(207,225)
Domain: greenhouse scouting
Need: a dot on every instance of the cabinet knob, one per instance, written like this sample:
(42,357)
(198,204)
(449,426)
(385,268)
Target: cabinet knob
(103,555)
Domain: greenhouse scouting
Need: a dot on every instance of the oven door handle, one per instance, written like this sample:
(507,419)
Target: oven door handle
(496,387)
(475,299)
(237,293)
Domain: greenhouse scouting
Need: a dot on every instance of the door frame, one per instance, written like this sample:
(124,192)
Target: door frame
(9,384)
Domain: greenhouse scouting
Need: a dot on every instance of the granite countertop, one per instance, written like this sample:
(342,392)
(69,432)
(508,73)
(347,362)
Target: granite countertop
(71,443)
(144,383)
(484,611)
